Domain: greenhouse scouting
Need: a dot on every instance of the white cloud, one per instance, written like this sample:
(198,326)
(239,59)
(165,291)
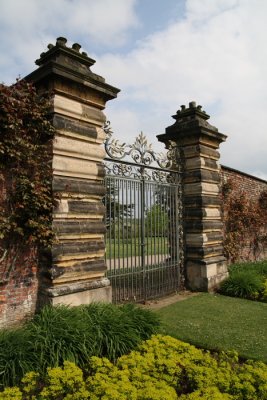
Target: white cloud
(27,26)
(104,21)
(199,11)
(217,56)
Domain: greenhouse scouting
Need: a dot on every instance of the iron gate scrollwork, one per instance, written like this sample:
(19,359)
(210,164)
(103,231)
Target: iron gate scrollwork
(143,217)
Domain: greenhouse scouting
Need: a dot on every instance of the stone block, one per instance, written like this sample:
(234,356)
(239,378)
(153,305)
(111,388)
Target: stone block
(201,188)
(200,162)
(73,147)
(78,187)
(204,151)
(201,175)
(78,110)
(202,239)
(85,297)
(209,270)
(203,213)
(76,168)
(76,129)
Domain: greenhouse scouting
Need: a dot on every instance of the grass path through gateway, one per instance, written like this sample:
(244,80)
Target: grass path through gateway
(218,322)
(121,248)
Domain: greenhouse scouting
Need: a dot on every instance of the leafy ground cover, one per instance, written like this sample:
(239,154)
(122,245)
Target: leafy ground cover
(161,368)
(218,322)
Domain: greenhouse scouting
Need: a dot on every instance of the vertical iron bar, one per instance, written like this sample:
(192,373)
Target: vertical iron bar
(143,231)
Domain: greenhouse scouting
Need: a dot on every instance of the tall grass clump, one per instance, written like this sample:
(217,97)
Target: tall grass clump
(118,330)
(259,268)
(244,284)
(146,322)
(61,333)
(15,357)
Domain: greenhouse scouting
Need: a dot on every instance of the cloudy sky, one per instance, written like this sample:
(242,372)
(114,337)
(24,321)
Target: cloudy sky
(161,54)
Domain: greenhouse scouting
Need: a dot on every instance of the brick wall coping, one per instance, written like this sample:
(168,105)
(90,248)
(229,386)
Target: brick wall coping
(224,167)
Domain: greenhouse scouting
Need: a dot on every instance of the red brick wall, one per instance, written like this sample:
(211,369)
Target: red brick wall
(18,279)
(253,187)
(18,287)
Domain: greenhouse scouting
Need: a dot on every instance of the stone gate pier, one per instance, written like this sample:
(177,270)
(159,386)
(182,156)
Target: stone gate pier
(198,143)
(73,271)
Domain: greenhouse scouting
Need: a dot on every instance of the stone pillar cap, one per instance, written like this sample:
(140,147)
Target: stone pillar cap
(73,64)
(193,110)
(60,48)
(190,124)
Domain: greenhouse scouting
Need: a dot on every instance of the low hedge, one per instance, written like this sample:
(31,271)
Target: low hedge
(163,368)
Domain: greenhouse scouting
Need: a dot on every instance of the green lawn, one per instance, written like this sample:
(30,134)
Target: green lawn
(219,323)
(122,248)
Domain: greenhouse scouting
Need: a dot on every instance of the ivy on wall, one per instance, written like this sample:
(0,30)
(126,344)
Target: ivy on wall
(245,223)
(26,198)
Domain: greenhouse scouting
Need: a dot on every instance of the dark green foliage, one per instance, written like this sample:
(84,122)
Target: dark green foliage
(246,280)
(118,329)
(117,212)
(15,357)
(114,334)
(74,334)
(26,136)
(259,268)
(146,322)
(58,334)
(244,284)
(157,220)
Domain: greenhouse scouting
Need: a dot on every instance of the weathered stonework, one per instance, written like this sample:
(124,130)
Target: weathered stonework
(198,142)
(73,271)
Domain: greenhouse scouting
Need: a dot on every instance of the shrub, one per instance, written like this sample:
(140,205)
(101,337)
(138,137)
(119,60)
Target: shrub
(75,334)
(244,284)
(163,368)
(246,280)
(264,292)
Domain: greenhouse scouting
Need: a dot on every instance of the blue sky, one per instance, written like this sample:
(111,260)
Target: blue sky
(161,54)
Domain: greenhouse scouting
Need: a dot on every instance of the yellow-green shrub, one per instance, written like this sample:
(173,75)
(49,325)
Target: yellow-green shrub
(264,293)
(211,393)
(11,394)
(163,368)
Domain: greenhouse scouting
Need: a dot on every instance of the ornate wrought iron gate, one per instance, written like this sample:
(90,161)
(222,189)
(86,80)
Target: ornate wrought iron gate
(143,219)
